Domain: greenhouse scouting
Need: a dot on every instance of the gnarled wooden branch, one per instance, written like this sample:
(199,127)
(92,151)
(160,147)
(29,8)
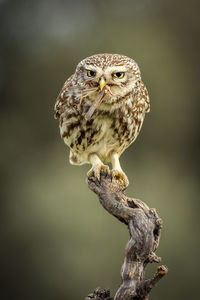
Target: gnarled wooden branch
(144,227)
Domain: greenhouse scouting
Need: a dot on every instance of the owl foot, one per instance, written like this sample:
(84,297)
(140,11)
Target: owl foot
(121,177)
(97,170)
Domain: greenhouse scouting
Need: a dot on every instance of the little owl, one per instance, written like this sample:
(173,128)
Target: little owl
(101,108)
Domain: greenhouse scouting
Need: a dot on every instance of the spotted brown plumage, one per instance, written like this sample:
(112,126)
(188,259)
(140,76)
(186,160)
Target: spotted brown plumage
(114,123)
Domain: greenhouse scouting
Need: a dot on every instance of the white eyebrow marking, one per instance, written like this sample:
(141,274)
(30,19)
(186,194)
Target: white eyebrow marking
(115,69)
(93,68)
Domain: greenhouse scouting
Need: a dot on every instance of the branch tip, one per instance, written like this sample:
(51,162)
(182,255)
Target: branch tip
(162,270)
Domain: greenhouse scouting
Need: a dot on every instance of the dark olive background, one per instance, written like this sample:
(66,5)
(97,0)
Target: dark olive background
(57,242)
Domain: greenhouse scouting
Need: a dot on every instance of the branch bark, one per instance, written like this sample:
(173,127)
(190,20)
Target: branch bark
(144,227)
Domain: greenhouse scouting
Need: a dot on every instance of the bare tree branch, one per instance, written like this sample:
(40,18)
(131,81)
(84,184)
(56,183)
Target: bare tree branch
(144,227)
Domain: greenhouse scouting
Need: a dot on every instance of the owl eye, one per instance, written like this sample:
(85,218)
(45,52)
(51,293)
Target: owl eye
(118,74)
(91,73)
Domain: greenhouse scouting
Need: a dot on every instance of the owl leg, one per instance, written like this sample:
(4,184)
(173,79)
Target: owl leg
(117,172)
(97,167)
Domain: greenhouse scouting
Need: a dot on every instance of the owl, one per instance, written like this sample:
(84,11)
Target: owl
(101,109)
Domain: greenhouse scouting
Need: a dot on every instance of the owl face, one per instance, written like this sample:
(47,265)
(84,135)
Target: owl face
(118,72)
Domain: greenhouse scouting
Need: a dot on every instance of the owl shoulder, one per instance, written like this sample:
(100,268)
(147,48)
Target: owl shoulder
(62,98)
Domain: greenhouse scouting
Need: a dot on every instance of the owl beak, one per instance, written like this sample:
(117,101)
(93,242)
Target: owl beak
(102,83)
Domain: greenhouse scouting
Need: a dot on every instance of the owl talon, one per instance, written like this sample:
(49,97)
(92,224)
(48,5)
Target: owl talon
(98,170)
(121,177)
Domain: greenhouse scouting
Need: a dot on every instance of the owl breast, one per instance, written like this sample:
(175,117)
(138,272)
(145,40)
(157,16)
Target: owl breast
(106,131)
(103,141)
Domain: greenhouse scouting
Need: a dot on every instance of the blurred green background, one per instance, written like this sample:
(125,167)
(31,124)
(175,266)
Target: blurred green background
(57,242)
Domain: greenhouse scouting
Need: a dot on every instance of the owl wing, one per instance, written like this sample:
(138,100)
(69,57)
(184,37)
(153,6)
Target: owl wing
(144,95)
(62,98)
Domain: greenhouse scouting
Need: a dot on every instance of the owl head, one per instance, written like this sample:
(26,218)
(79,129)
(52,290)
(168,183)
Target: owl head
(119,72)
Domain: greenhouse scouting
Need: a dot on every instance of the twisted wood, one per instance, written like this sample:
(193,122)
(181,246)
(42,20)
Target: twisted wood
(144,227)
